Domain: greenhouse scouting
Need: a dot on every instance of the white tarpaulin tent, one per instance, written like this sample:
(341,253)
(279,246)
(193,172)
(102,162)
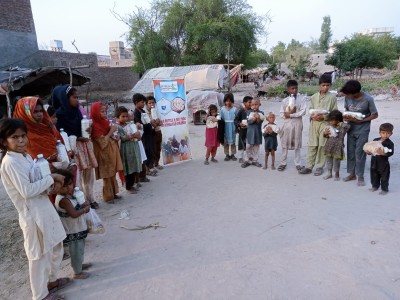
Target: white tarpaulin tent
(200,77)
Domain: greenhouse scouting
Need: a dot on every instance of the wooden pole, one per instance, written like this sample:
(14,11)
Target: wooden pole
(9,109)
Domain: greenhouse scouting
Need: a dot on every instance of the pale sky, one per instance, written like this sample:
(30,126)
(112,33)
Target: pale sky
(92,26)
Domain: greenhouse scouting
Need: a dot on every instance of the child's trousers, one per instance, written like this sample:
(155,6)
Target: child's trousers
(45,270)
(87,183)
(77,251)
(212,151)
(315,156)
(333,163)
(380,178)
(297,157)
(226,149)
(253,152)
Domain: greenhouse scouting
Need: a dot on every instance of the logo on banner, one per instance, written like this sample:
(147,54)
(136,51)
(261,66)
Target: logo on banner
(164,106)
(168,86)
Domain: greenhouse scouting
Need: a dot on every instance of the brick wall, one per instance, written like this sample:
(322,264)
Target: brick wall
(16,15)
(17,32)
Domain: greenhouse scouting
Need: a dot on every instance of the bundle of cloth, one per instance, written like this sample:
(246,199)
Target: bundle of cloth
(375,148)
(352,114)
(315,111)
(333,132)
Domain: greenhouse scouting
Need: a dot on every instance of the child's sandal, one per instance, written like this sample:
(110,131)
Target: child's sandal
(281,167)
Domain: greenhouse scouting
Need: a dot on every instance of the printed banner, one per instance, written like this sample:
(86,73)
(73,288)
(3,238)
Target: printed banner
(170,97)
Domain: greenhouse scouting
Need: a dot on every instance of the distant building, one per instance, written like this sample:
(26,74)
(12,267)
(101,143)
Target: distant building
(378,31)
(56,46)
(318,63)
(120,56)
(103,60)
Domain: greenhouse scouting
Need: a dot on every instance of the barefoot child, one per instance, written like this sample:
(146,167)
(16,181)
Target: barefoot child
(254,134)
(292,110)
(212,142)
(380,167)
(73,218)
(323,100)
(42,229)
(228,114)
(129,150)
(334,146)
(241,124)
(270,134)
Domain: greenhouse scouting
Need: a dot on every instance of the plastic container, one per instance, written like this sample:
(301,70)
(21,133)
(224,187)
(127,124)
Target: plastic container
(79,196)
(115,133)
(154,114)
(62,155)
(145,119)
(85,126)
(291,102)
(43,166)
(66,139)
(72,143)
(133,129)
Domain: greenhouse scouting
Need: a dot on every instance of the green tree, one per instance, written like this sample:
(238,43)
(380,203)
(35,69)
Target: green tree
(293,45)
(184,32)
(299,61)
(278,53)
(326,34)
(257,57)
(361,52)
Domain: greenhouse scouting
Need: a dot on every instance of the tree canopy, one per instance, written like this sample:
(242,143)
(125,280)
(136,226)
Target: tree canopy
(185,32)
(363,51)
(326,34)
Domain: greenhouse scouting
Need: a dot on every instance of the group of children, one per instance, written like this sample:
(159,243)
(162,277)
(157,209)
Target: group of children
(130,146)
(327,131)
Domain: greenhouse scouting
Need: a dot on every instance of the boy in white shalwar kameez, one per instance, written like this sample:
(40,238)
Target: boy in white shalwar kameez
(292,110)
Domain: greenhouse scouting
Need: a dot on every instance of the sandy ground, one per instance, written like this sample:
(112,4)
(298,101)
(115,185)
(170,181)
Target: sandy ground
(234,233)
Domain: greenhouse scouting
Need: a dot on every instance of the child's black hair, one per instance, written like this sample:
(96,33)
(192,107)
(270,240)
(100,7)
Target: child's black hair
(291,83)
(150,98)
(335,115)
(387,127)
(247,99)
(230,97)
(351,87)
(7,128)
(212,107)
(68,176)
(51,111)
(120,110)
(325,78)
(137,98)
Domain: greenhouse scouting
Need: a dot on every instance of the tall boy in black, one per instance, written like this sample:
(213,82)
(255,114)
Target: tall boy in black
(380,167)
(147,137)
(242,126)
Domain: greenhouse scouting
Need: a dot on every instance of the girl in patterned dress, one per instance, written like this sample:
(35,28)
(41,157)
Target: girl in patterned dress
(334,147)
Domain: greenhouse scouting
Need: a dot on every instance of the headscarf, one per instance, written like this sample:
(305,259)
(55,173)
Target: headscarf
(100,126)
(42,136)
(69,118)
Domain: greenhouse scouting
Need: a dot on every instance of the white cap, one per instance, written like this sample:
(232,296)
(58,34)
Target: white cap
(84,117)
(58,141)
(61,129)
(40,156)
(76,188)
